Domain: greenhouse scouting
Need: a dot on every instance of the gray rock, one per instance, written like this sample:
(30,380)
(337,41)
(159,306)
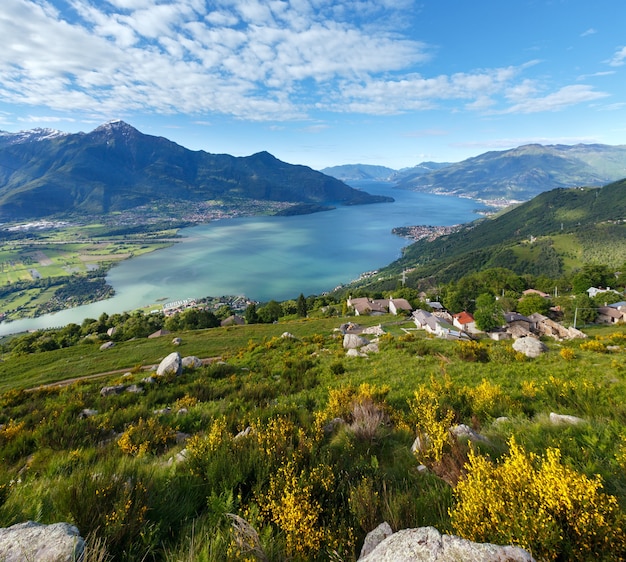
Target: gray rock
(288,335)
(107,345)
(564,419)
(171,365)
(370,348)
(59,542)
(162,411)
(134,389)
(529,346)
(355,353)
(332,424)
(177,341)
(466,432)
(426,544)
(374,330)
(148,380)
(112,390)
(192,362)
(243,433)
(353,341)
(87,413)
(375,537)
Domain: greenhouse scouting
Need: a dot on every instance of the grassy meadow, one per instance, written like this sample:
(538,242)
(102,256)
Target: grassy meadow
(33,268)
(286,449)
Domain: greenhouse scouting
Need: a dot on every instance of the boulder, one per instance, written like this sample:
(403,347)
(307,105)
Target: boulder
(355,353)
(59,542)
(177,341)
(353,341)
(465,432)
(87,413)
(112,390)
(564,419)
(192,362)
(107,345)
(374,330)
(370,348)
(171,365)
(426,544)
(288,335)
(529,346)
(135,389)
(375,537)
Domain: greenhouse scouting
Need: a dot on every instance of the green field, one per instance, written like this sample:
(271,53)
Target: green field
(29,266)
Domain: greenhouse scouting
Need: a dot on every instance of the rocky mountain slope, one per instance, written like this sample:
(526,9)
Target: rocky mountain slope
(115,167)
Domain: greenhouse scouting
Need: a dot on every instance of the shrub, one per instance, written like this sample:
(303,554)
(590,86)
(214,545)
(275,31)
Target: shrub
(540,504)
(473,351)
(567,353)
(433,424)
(593,345)
(146,437)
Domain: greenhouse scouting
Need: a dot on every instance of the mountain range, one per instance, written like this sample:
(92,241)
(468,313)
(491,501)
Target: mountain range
(517,174)
(115,168)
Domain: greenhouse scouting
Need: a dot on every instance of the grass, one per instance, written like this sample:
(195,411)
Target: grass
(306,491)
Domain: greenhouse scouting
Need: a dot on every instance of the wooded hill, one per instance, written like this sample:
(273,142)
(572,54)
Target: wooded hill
(552,234)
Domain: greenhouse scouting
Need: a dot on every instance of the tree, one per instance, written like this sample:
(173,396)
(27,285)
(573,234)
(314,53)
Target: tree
(533,303)
(301,306)
(488,315)
(251,315)
(592,275)
(270,312)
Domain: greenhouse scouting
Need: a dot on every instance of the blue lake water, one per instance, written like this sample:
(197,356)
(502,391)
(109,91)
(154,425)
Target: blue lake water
(269,257)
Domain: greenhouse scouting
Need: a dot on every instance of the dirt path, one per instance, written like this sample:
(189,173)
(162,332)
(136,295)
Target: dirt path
(146,368)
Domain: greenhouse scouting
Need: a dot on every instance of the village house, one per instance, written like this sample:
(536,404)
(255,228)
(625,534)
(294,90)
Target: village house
(610,315)
(518,325)
(364,306)
(465,321)
(535,292)
(595,291)
(434,325)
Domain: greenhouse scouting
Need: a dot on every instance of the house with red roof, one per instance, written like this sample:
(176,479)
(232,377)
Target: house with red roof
(465,321)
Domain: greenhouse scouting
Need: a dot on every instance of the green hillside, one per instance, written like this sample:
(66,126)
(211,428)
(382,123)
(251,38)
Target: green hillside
(163,472)
(549,235)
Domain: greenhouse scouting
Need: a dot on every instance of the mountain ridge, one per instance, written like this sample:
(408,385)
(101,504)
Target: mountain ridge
(516,174)
(115,167)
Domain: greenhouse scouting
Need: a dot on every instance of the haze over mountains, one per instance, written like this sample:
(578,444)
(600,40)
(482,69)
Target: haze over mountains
(115,167)
(516,174)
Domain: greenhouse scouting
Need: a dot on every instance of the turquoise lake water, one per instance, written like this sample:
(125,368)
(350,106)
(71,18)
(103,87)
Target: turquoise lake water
(269,257)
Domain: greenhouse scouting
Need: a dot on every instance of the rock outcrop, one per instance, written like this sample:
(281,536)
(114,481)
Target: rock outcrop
(59,542)
(426,544)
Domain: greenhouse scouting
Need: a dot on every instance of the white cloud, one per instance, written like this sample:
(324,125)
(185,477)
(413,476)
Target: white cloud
(555,101)
(619,58)
(252,59)
(590,31)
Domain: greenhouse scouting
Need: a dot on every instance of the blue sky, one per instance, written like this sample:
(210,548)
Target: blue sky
(321,82)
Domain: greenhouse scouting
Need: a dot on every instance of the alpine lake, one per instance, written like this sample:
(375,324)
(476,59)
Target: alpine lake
(266,257)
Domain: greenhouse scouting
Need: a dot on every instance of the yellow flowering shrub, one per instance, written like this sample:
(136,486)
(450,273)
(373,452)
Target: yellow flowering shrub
(486,397)
(145,436)
(540,504)
(433,423)
(10,430)
(341,400)
(186,402)
(593,345)
(291,505)
(567,353)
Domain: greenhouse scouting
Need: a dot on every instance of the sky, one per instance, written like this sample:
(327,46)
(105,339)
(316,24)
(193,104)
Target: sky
(321,82)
